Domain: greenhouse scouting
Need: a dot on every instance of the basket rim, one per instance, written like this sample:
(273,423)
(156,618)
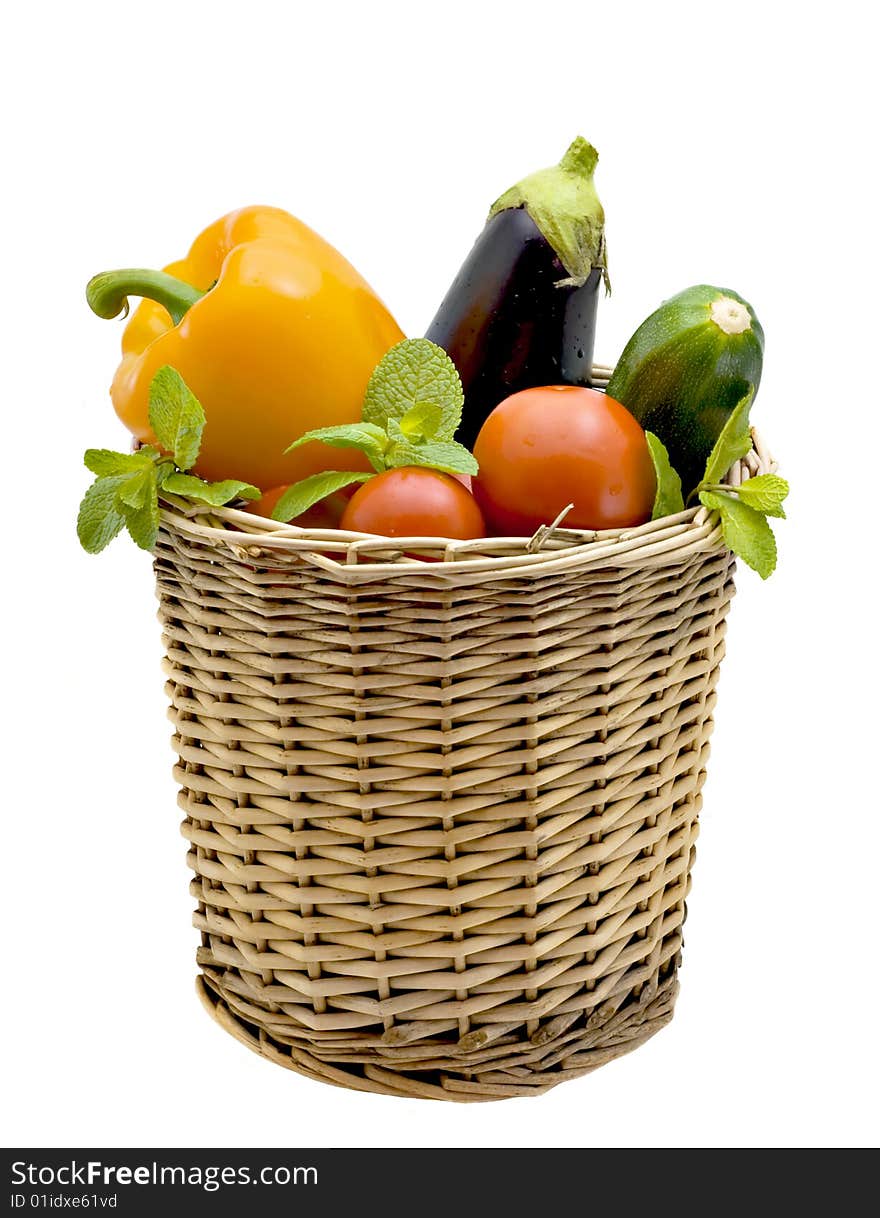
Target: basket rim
(366,557)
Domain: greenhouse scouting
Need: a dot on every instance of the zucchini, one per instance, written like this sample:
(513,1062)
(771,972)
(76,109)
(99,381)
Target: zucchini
(685,369)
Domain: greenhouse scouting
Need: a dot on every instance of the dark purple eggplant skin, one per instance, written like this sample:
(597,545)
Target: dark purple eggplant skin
(507,324)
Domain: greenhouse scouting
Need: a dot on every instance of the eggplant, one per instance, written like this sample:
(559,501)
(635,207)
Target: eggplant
(522,309)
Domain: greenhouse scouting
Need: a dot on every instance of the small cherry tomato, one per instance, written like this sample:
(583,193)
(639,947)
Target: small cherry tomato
(414,502)
(541,449)
(325,514)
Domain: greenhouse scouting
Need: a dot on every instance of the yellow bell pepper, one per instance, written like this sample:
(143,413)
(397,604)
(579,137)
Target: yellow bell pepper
(272,329)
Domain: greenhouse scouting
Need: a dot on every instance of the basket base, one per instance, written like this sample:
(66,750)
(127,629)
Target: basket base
(504,1070)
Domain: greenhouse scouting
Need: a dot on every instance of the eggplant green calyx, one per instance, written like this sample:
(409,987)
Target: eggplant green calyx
(108,293)
(564,205)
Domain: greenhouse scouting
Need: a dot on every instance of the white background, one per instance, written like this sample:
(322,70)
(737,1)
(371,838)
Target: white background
(737,146)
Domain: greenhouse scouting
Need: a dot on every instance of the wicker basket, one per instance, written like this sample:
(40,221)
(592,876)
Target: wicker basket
(442,814)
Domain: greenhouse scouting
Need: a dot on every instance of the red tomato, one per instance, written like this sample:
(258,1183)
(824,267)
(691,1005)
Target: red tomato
(542,449)
(414,502)
(325,514)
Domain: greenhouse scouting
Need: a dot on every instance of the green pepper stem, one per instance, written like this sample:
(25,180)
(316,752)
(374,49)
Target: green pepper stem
(108,292)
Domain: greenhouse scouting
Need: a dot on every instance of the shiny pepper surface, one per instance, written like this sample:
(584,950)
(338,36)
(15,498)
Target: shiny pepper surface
(280,336)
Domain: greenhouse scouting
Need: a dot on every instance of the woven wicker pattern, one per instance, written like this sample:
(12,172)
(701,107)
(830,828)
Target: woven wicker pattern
(441,814)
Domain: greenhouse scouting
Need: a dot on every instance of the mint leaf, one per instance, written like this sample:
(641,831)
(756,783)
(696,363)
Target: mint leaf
(176,416)
(136,487)
(415,373)
(668,498)
(765,493)
(105,463)
(734,441)
(745,531)
(305,494)
(138,502)
(126,491)
(422,421)
(215,493)
(143,523)
(447,456)
(99,517)
(164,470)
(370,439)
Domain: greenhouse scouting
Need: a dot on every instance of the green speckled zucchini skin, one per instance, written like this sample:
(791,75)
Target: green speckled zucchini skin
(681,374)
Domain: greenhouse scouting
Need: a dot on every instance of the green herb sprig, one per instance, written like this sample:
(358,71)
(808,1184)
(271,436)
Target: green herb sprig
(412,409)
(126,491)
(743,510)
